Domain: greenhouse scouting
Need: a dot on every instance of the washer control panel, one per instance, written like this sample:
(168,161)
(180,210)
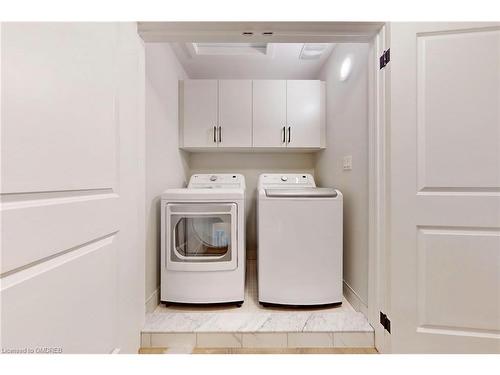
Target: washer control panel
(288,180)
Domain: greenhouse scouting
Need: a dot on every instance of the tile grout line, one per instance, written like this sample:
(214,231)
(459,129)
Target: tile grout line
(240,337)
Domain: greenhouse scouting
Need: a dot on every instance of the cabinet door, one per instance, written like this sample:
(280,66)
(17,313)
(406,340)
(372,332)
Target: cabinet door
(200,113)
(269,113)
(235,113)
(303,103)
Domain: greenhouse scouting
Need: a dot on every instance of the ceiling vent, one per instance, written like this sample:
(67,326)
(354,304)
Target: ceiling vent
(313,51)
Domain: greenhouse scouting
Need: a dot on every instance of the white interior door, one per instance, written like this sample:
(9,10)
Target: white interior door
(269,113)
(200,113)
(303,113)
(72,216)
(235,113)
(445,187)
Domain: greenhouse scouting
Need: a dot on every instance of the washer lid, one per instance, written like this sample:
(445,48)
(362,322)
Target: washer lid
(308,192)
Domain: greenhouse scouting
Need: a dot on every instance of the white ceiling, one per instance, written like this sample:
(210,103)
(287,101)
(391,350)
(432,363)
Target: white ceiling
(281,62)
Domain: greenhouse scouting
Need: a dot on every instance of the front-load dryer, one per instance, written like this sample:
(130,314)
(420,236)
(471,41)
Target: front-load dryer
(203,240)
(299,255)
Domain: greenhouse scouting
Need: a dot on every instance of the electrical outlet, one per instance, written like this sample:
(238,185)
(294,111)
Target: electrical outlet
(347,163)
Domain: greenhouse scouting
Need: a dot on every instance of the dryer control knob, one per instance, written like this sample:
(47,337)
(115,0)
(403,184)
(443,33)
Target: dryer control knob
(213,178)
(284,178)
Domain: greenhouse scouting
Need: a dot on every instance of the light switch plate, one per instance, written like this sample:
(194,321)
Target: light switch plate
(347,163)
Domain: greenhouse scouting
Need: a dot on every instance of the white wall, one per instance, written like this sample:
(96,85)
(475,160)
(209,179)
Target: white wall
(251,165)
(347,134)
(166,165)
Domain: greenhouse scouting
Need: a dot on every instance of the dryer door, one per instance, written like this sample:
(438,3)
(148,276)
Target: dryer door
(201,236)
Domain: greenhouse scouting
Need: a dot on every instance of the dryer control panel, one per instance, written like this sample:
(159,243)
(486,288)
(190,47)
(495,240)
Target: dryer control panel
(286,180)
(217,181)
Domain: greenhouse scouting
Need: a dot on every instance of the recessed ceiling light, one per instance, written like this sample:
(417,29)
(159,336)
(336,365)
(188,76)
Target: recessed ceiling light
(345,68)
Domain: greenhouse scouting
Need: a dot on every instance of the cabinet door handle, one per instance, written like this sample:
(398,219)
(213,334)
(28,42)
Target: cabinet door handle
(289,133)
(283,133)
(215,132)
(220,134)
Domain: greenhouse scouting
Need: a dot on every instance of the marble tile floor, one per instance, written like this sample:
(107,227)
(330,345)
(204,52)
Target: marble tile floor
(260,351)
(253,326)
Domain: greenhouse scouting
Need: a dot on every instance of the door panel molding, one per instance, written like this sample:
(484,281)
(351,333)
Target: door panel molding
(53,225)
(76,289)
(32,270)
(57,107)
(456,133)
(454,280)
(453,331)
(453,190)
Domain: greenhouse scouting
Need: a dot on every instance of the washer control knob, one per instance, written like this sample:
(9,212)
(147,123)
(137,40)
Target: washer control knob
(284,178)
(213,178)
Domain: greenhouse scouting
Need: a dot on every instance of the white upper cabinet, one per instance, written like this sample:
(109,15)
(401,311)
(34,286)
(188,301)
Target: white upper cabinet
(269,113)
(259,114)
(288,114)
(235,113)
(303,114)
(200,113)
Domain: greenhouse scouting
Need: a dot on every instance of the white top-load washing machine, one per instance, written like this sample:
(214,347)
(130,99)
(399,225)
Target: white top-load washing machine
(203,240)
(299,255)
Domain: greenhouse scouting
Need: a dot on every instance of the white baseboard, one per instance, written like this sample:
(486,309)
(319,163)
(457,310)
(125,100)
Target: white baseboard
(153,301)
(356,302)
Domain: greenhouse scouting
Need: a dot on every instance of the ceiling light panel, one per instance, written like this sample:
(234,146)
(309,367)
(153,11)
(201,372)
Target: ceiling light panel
(313,51)
(230,48)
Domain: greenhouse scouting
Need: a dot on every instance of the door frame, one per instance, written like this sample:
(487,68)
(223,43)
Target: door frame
(378,183)
(375,34)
